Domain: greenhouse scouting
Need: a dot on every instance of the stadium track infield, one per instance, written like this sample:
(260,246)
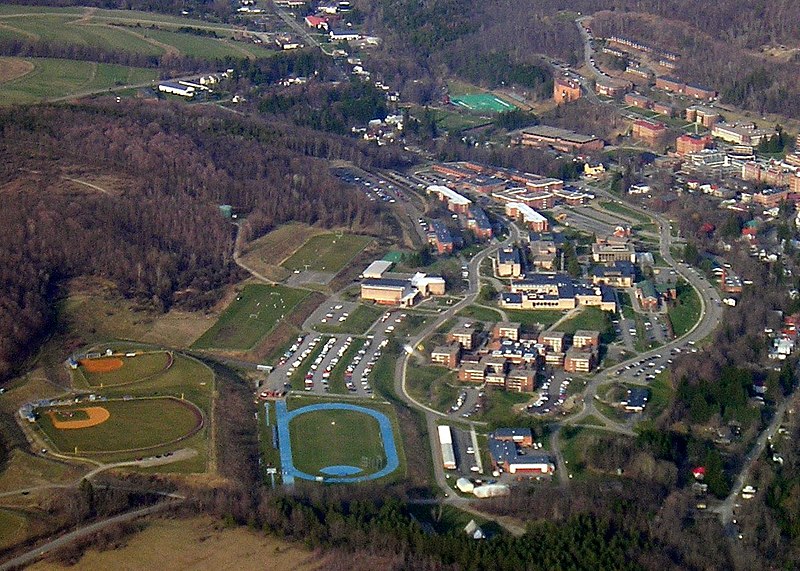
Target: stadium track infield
(290,472)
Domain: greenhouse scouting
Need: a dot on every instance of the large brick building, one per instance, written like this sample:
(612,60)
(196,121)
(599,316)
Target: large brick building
(689,144)
(566,90)
(560,139)
(649,132)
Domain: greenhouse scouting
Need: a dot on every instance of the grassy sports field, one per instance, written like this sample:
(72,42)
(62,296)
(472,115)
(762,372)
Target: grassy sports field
(133,424)
(327,252)
(50,78)
(133,369)
(482,102)
(266,253)
(328,438)
(250,316)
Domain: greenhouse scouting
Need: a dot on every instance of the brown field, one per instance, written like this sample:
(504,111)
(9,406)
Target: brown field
(93,415)
(105,365)
(200,545)
(265,254)
(13,68)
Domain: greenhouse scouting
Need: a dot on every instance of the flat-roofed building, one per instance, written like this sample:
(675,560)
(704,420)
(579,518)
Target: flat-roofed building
(472,371)
(688,144)
(559,139)
(586,338)
(566,90)
(521,380)
(648,131)
(580,360)
(455,202)
(465,336)
(532,219)
(446,355)
(388,292)
(606,252)
(507,330)
(739,133)
(553,340)
(376,269)
(509,262)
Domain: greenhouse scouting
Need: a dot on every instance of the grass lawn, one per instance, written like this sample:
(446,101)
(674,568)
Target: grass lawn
(326,438)
(327,252)
(266,253)
(432,385)
(481,313)
(205,47)
(497,411)
(626,308)
(60,77)
(133,369)
(686,311)
(271,456)
(12,527)
(661,395)
(532,319)
(140,423)
(624,211)
(250,316)
(592,318)
(357,323)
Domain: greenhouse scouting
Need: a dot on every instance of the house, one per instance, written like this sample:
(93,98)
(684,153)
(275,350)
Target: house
(611,87)
(580,360)
(566,90)
(593,170)
(620,273)
(699,91)
(478,223)
(636,399)
(464,336)
(506,330)
(586,338)
(472,371)
(446,355)
(509,262)
(664,109)
(316,22)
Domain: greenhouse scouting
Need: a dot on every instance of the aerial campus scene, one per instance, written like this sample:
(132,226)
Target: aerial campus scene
(340,284)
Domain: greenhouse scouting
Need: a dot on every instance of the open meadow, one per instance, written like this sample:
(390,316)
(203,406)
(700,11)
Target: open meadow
(327,252)
(28,80)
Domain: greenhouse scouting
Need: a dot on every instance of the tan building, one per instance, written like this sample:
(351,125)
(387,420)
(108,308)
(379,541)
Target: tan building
(606,252)
(465,336)
(472,372)
(506,330)
(521,380)
(554,340)
(586,338)
(509,262)
(566,90)
(446,355)
(398,289)
(580,360)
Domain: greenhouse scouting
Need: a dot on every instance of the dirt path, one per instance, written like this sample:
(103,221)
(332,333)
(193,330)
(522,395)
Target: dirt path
(29,35)
(168,49)
(14,68)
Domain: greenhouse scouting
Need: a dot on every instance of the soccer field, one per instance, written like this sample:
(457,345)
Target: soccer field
(482,102)
(250,316)
(327,252)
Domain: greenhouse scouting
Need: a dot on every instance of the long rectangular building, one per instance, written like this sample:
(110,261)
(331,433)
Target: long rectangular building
(559,139)
(529,216)
(446,444)
(455,201)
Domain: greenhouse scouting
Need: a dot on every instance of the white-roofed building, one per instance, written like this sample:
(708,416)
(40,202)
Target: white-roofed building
(455,201)
(376,269)
(529,216)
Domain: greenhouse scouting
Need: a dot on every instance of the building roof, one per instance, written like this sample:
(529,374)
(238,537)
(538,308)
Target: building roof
(450,194)
(557,133)
(508,255)
(387,283)
(648,289)
(511,433)
(529,215)
(622,268)
(506,453)
(377,268)
(586,333)
(637,397)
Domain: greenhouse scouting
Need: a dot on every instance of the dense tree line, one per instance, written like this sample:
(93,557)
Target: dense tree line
(162,240)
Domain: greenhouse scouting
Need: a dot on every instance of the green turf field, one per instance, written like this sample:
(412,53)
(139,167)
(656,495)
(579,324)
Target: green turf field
(327,252)
(482,102)
(336,438)
(60,78)
(250,316)
(134,424)
(133,369)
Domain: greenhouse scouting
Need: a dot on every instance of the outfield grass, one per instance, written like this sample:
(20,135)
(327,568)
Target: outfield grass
(357,323)
(327,252)
(133,369)
(134,424)
(248,318)
(686,312)
(60,78)
(336,438)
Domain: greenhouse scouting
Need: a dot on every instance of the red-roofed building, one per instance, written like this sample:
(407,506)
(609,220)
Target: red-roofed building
(688,144)
(699,473)
(647,131)
(317,22)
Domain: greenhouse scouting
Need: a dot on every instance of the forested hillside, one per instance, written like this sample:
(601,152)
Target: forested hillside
(162,239)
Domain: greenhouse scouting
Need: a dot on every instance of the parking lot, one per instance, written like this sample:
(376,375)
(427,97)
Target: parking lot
(375,189)
(331,313)
(467,461)
(552,393)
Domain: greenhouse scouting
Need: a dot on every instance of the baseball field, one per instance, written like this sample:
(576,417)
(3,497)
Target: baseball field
(116,426)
